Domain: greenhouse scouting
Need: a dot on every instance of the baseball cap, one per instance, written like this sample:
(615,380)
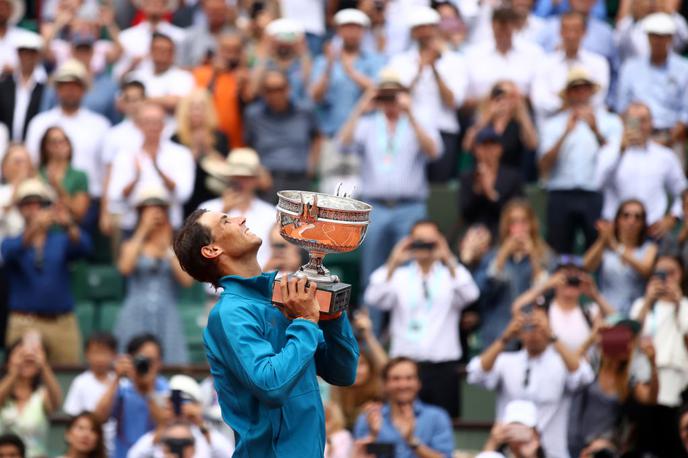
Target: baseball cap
(29,40)
(423,15)
(186,385)
(487,135)
(520,411)
(351,16)
(659,24)
(285,30)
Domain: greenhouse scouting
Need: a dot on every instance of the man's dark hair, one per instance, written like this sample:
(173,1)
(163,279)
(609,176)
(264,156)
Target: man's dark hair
(504,15)
(424,221)
(133,84)
(162,36)
(102,338)
(187,246)
(575,14)
(13,439)
(137,342)
(395,362)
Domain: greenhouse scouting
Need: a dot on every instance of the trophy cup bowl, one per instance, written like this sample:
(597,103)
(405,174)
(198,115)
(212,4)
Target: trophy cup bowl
(320,224)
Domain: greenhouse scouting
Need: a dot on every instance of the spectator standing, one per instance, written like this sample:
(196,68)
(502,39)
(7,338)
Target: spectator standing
(131,396)
(569,151)
(340,77)
(165,83)
(11,12)
(623,256)
(29,393)
(284,134)
(425,298)
(414,428)
(202,40)
(153,274)
(437,79)
(550,79)
(21,91)
(239,177)
(69,184)
(660,81)
(639,168)
(88,387)
(226,77)
(544,372)
(84,128)
(490,185)
(394,145)
(37,265)
(663,314)
(158,163)
(197,131)
(505,110)
(84,437)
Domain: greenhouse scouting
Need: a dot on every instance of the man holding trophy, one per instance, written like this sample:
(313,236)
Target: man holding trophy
(267,340)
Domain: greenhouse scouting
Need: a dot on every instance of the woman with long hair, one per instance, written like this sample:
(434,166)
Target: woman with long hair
(29,393)
(84,437)
(15,167)
(519,260)
(624,256)
(197,130)
(70,184)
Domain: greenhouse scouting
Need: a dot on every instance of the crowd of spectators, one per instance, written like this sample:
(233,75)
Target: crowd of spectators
(119,118)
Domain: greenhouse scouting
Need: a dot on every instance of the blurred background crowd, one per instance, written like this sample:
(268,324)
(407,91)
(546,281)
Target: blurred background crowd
(521,289)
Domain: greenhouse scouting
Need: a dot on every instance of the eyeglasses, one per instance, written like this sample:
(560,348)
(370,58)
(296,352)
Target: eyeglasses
(634,215)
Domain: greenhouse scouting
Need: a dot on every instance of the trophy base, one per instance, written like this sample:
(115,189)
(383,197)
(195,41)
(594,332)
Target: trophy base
(332,297)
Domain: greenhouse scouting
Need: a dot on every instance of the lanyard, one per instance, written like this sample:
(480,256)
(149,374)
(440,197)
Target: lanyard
(389,145)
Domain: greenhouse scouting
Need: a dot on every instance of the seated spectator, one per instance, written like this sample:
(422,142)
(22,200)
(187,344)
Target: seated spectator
(550,79)
(395,146)
(227,78)
(197,131)
(153,274)
(516,434)
(130,398)
(11,446)
(490,185)
(285,135)
(437,79)
(55,168)
(89,386)
(166,84)
(425,297)
(84,437)
(286,52)
(520,259)
(658,81)
(21,92)
(29,393)
(569,151)
(623,256)
(15,167)
(544,371)
(505,111)
(183,405)
(158,163)
(367,387)
(639,168)
(37,265)
(414,428)
(339,442)
(624,371)
(663,314)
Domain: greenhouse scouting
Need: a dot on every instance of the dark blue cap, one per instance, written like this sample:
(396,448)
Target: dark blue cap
(487,135)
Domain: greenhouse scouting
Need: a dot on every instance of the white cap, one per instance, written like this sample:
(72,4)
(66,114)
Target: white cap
(519,411)
(285,30)
(423,15)
(659,24)
(29,40)
(352,16)
(186,385)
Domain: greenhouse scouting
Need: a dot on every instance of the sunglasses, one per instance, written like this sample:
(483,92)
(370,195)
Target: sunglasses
(636,216)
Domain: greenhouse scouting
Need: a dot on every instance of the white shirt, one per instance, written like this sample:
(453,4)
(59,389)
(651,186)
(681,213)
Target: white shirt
(219,446)
(544,380)
(84,394)
(260,219)
(122,136)
(427,102)
(631,38)
(174,81)
(85,130)
(648,174)
(425,320)
(486,66)
(175,161)
(136,40)
(309,13)
(570,326)
(22,98)
(667,329)
(550,79)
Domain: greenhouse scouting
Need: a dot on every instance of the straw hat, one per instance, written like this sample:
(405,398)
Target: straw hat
(152,196)
(72,71)
(34,190)
(389,80)
(578,76)
(240,162)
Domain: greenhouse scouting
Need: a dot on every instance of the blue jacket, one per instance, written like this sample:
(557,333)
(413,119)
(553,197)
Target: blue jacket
(264,367)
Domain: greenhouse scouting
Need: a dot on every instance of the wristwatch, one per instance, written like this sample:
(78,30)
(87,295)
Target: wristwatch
(414,443)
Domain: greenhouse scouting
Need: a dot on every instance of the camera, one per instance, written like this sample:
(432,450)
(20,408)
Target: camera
(660,275)
(142,365)
(421,245)
(573,280)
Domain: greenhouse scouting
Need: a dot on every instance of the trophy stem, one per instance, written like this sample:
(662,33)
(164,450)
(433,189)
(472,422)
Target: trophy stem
(315,270)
